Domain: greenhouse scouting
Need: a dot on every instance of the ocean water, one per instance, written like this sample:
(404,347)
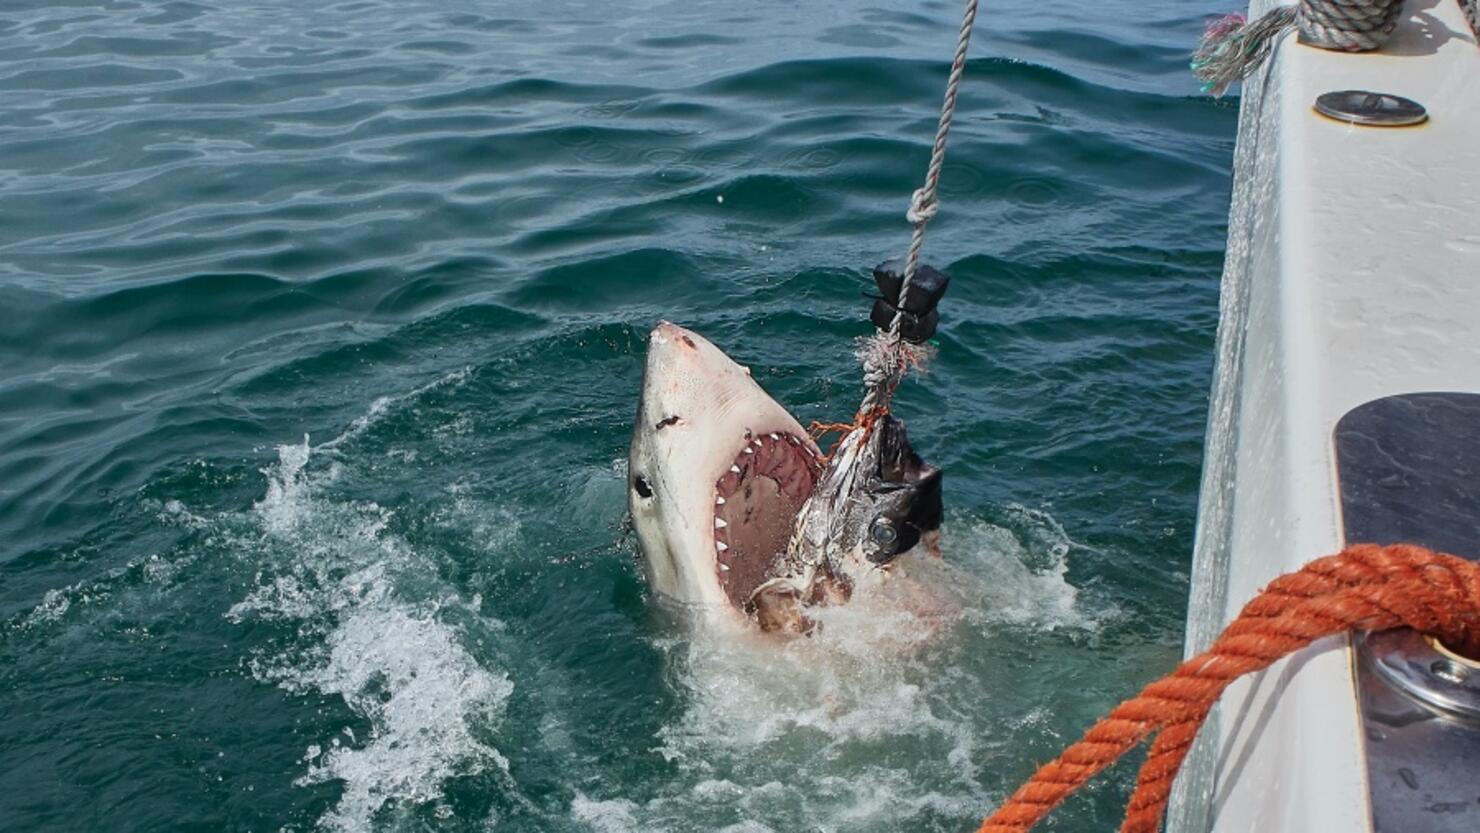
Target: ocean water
(322,334)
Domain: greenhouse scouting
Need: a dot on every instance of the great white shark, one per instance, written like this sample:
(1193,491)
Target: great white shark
(719,475)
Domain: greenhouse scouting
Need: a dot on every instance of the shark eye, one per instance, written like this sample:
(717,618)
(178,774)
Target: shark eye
(640,484)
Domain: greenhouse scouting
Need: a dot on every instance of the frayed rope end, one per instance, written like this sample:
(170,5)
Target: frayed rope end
(1232,47)
(1221,27)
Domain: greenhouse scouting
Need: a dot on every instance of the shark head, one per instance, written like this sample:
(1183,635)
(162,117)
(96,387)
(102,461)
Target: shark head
(716,474)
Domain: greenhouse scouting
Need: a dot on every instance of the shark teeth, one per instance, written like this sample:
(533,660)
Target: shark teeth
(721,546)
(719,523)
(724,568)
(719,500)
(734,468)
(749,450)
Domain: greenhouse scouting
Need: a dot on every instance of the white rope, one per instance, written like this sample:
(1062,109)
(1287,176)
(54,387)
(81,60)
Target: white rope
(882,376)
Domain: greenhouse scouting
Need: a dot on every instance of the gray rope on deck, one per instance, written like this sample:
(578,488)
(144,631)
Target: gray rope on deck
(1232,47)
(1348,25)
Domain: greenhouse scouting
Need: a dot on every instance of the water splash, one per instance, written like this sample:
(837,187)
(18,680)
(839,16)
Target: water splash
(1017,573)
(372,628)
(407,674)
(866,725)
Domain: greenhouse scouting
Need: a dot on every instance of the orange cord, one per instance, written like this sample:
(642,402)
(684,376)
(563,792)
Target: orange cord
(864,419)
(1363,588)
(818,430)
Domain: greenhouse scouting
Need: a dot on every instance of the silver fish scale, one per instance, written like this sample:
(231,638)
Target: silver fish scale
(831,522)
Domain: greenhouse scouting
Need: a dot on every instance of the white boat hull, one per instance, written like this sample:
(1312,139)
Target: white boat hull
(1353,273)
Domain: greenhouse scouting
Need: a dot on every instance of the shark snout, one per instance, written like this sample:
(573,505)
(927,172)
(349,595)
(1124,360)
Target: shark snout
(669,334)
(674,351)
(679,357)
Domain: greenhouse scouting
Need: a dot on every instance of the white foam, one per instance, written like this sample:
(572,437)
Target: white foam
(283,508)
(54,605)
(393,657)
(614,816)
(747,826)
(872,722)
(797,731)
(407,674)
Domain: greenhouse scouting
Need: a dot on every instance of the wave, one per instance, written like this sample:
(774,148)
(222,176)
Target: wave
(434,240)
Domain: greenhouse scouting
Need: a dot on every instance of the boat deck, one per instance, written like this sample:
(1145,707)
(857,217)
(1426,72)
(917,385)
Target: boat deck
(1353,274)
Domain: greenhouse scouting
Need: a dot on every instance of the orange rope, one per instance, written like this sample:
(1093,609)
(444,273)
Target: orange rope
(1363,588)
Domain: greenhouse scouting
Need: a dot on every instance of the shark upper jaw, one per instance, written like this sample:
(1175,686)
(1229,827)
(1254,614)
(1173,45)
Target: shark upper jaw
(716,474)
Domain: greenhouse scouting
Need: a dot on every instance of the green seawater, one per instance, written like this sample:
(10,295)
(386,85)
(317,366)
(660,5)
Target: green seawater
(323,326)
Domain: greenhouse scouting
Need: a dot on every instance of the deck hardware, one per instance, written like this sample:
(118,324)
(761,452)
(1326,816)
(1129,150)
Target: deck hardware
(1449,671)
(1406,661)
(1406,466)
(1372,109)
(1471,664)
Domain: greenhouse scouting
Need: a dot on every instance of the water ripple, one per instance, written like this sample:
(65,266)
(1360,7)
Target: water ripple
(439,236)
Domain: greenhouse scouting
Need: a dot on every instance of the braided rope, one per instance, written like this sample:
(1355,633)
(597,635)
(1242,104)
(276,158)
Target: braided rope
(882,373)
(924,203)
(1233,47)
(1348,25)
(1364,587)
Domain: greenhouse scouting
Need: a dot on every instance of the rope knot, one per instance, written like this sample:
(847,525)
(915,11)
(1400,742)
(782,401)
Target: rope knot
(923,206)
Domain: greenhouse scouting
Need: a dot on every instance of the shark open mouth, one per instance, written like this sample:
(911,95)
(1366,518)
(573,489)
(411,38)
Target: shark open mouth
(755,506)
(737,511)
